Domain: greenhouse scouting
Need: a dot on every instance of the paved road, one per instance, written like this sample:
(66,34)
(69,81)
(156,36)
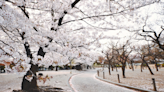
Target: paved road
(86,82)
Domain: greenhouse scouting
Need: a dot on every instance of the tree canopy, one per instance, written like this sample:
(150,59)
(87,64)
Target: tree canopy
(48,31)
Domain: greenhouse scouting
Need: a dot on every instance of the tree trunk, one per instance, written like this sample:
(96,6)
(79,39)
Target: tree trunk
(123,70)
(70,64)
(112,67)
(156,66)
(132,66)
(109,69)
(30,86)
(56,68)
(148,68)
(141,66)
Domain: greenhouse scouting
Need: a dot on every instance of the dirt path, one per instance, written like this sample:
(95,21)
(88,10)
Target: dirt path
(137,78)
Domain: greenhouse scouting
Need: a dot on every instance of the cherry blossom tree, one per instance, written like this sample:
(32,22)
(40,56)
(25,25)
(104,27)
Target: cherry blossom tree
(151,27)
(110,56)
(41,32)
(144,52)
(34,44)
(123,53)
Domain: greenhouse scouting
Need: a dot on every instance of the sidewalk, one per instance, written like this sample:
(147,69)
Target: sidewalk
(60,79)
(12,81)
(142,80)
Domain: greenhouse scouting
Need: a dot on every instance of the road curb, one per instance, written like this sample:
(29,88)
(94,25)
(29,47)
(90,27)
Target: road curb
(123,85)
(70,84)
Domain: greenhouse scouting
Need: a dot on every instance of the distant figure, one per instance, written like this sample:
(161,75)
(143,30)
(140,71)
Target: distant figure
(87,66)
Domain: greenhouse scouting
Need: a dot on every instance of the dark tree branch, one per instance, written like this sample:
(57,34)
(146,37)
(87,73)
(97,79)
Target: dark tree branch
(111,14)
(41,52)
(74,3)
(65,12)
(98,27)
(24,11)
(154,39)
(6,52)
(160,33)
(35,29)
(60,20)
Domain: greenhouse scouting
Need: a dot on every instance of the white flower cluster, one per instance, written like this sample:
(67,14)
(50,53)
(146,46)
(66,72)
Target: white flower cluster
(81,27)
